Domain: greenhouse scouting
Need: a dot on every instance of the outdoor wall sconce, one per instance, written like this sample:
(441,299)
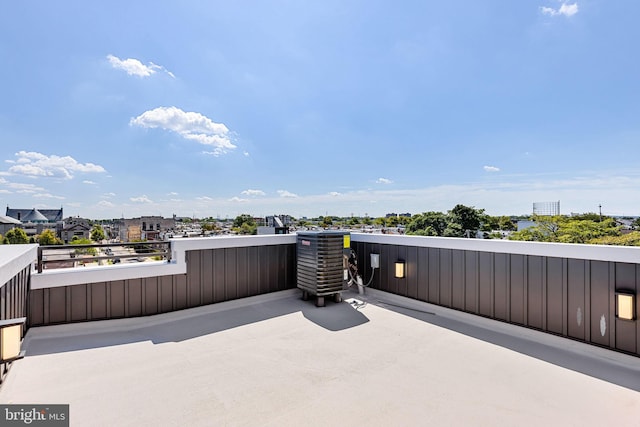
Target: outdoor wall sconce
(399,269)
(625,305)
(10,338)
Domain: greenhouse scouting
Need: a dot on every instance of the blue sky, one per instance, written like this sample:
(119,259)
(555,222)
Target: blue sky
(212,108)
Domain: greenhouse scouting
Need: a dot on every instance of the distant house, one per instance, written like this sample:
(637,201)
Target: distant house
(145,228)
(7,223)
(26,215)
(35,221)
(276,224)
(75,227)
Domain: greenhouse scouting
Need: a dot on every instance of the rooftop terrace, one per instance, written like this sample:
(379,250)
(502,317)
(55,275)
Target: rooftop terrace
(220,336)
(277,360)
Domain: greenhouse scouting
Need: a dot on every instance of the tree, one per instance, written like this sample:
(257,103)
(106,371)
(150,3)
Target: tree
(505,224)
(243,219)
(16,236)
(629,239)
(380,221)
(464,221)
(568,229)
(48,237)
(427,224)
(97,233)
(83,251)
(245,224)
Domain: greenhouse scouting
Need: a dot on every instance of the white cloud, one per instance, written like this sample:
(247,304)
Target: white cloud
(24,188)
(37,164)
(5,192)
(190,125)
(246,153)
(47,196)
(105,204)
(238,199)
(565,9)
(141,199)
(334,193)
(172,193)
(134,67)
(88,182)
(287,194)
(253,192)
(204,199)
(491,169)
(383,181)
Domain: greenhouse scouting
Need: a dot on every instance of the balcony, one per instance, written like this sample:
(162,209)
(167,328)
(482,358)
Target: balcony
(477,332)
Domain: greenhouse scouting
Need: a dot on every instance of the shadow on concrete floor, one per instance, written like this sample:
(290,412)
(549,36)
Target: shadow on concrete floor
(189,324)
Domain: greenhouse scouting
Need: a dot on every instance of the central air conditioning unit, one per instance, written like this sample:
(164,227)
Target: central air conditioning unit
(321,266)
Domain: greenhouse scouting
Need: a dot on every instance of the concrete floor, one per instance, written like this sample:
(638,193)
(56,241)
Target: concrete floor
(276,360)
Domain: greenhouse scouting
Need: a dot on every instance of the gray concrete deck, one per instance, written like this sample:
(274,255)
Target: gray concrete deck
(276,360)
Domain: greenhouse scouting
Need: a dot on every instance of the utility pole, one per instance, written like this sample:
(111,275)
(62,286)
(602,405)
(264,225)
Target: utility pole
(600,207)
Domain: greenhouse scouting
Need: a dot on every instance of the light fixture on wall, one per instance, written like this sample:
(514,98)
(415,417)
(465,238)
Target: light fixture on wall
(399,269)
(625,305)
(10,338)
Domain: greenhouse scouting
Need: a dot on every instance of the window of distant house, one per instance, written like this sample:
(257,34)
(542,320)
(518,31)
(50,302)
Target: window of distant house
(150,227)
(158,227)
(144,225)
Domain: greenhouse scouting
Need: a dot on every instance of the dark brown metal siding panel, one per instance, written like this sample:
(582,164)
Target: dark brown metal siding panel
(36,307)
(291,272)
(445,277)
(206,274)
(79,303)
(554,280)
(283,272)
(471,273)
(253,276)
(501,299)
(134,292)
(402,287)
(457,279)
(386,266)
(265,270)
(218,274)
(625,334)
(485,284)
(98,293)
(180,286)
(193,278)
(273,268)
(166,293)
(231,279)
(411,254)
(599,298)
(535,284)
(423,274)
(517,288)
(242,271)
(576,298)
(392,256)
(434,275)
(117,298)
(57,305)
(150,295)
